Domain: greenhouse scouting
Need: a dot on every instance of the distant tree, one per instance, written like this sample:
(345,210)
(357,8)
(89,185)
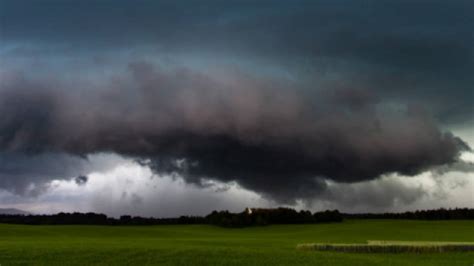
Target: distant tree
(250,217)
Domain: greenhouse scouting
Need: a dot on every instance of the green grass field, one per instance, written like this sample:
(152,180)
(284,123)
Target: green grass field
(376,246)
(208,245)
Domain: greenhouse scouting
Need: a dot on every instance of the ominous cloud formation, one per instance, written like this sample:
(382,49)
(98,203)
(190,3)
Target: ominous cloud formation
(267,134)
(278,97)
(24,174)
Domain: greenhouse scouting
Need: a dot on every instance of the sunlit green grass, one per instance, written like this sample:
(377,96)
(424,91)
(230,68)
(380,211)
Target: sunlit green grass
(208,245)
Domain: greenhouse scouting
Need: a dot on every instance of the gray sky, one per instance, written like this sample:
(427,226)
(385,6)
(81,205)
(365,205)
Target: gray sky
(170,107)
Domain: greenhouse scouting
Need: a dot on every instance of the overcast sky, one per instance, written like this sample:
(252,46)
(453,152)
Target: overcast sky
(165,108)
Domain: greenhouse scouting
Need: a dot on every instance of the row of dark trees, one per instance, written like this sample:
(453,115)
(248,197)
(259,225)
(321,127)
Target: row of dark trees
(439,214)
(77,218)
(250,217)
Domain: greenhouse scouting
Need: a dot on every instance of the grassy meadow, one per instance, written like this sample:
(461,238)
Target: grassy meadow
(209,245)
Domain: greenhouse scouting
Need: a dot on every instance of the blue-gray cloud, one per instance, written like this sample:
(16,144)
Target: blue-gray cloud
(307,91)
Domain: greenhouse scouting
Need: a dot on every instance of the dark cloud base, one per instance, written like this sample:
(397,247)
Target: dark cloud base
(361,89)
(263,133)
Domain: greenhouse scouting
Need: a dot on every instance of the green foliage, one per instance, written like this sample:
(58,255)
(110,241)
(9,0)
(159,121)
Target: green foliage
(209,245)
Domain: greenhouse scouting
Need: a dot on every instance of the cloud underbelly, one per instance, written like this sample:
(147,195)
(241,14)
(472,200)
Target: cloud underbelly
(274,136)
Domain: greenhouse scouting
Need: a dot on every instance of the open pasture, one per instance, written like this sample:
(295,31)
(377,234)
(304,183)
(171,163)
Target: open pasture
(209,245)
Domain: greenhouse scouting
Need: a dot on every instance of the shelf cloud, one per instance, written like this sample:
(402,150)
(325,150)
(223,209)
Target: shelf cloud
(279,98)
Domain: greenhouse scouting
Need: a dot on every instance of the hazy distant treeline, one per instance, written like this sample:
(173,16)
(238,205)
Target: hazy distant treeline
(439,214)
(95,219)
(250,217)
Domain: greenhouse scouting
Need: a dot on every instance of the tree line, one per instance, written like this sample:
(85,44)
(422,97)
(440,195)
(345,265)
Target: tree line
(249,217)
(90,218)
(438,214)
(253,217)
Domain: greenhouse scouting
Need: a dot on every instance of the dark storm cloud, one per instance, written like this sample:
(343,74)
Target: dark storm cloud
(28,175)
(375,77)
(264,133)
(412,51)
